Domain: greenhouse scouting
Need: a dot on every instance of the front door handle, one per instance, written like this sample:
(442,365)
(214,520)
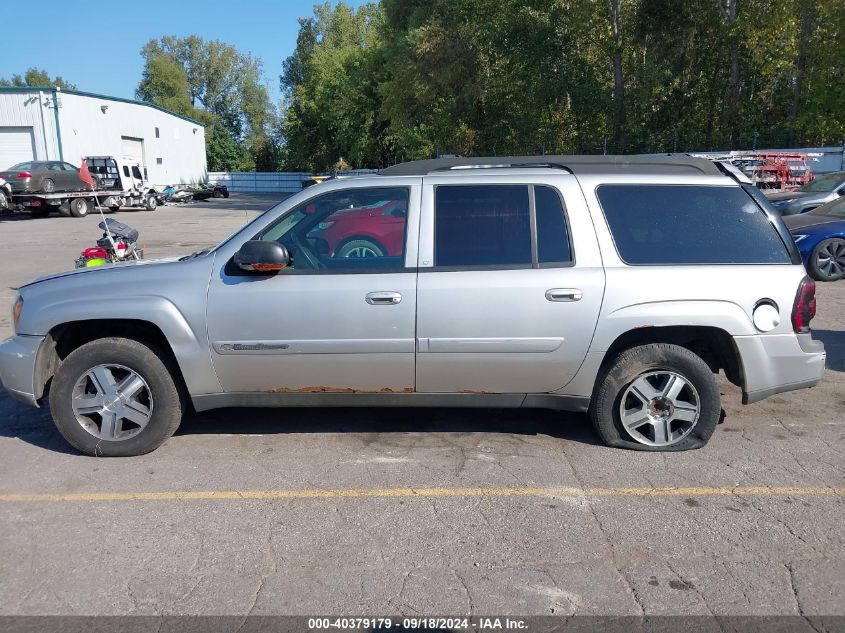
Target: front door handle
(564,294)
(383,298)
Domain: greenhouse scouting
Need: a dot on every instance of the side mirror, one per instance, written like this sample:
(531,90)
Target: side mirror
(262,256)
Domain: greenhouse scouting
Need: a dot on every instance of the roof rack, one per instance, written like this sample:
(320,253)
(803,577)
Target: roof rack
(586,164)
(504,166)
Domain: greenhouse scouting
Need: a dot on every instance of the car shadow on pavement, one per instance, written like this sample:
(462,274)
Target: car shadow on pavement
(35,427)
(570,426)
(834,343)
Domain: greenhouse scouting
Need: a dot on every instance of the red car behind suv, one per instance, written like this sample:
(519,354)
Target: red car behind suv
(377,230)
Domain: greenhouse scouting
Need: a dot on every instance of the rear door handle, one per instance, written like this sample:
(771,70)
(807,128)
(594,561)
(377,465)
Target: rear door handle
(383,298)
(564,294)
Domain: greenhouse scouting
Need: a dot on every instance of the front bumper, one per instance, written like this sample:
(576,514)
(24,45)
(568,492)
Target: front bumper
(18,356)
(775,363)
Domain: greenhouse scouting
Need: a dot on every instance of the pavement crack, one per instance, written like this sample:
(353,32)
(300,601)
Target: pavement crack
(470,605)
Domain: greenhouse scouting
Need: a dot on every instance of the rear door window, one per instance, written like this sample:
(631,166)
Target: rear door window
(689,224)
(499,226)
(553,243)
(482,225)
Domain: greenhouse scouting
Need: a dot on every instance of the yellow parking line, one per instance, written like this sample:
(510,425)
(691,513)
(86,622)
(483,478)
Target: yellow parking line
(215,495)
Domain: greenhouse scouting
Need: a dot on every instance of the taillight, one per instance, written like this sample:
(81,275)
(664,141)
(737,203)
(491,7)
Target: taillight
(805,306)
(23,174)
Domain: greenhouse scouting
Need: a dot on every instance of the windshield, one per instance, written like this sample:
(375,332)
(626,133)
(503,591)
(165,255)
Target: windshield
(20,166)
(828,182)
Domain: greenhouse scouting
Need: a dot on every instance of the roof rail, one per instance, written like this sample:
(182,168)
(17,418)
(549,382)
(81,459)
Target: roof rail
(505,166)
(662,164)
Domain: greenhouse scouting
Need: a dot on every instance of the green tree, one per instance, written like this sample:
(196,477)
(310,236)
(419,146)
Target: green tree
(415,78)
(330,90)
(37,78)
(216,83)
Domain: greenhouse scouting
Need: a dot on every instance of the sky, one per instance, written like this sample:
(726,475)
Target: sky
(97,45)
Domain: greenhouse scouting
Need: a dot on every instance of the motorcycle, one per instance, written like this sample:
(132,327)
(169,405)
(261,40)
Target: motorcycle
(119,243)
(5,196)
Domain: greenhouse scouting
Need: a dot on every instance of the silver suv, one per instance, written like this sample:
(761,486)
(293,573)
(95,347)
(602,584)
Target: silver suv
(616,286)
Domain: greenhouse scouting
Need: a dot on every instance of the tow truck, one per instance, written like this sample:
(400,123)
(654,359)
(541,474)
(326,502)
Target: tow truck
(120,183)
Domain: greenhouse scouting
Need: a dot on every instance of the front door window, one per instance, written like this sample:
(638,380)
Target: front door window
(346,230)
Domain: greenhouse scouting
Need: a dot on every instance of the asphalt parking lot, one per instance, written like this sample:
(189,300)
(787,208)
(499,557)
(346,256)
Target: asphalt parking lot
(319,511)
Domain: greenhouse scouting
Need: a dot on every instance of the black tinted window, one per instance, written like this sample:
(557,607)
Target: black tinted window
(552,234)
(484,225)
(678,224)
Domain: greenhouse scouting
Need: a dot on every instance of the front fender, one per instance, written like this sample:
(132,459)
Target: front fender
(190,348)
(169,295)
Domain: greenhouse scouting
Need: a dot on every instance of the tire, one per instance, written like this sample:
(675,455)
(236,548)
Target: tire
(75,385)
(79,207)
(661,424)
(150,203)
(39,212)
(217,193)
(827,263)
(48,186)
(4,202)
(360,247)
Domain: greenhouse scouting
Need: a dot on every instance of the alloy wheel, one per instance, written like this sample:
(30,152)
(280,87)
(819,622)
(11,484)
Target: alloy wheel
(830,260)
(112,402)
(659,408)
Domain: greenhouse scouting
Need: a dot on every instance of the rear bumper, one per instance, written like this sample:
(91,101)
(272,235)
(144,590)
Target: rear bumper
(18,356)
(777,363)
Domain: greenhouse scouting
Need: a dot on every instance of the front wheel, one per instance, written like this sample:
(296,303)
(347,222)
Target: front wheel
(151,203)
(656,397)
(827,262)
(360,248)
(115,397)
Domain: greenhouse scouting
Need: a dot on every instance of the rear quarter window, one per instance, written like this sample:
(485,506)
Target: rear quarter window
(689,224)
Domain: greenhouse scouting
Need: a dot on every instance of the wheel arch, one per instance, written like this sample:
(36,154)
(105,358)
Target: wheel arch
(712,344)
(67,337)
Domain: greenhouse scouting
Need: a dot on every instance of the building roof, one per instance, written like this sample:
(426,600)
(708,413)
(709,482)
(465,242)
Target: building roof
(682,164)
(98,96)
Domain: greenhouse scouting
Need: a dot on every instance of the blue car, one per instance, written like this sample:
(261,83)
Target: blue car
(820,236)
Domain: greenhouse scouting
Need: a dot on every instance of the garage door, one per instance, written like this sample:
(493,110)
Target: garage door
(17,145)
(133,149)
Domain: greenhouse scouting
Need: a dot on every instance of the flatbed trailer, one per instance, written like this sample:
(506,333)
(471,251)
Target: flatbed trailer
(81,203)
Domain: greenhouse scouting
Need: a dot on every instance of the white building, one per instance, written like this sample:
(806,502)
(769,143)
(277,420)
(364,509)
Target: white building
(53,124)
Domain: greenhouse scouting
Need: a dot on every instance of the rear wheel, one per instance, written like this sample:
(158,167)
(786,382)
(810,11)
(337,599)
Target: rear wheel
(48,186)
(218,193)
(115,397)
(827,263)
(656,397)
(79,207)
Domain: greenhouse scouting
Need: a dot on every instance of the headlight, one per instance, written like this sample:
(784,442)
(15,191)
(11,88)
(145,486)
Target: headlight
(798,238)
(16,313)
